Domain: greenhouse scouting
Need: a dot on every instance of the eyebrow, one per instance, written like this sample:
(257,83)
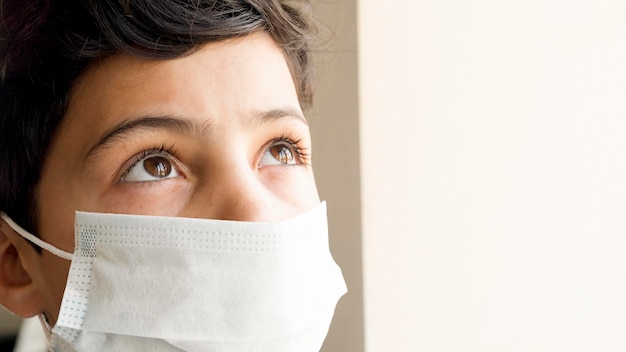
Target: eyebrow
(183,126)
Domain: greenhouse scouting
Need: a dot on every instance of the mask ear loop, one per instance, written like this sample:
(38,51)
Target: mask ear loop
(47,246)
(50,248)
(45,326)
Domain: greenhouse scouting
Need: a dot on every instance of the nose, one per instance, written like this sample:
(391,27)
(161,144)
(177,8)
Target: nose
(247,205)
(240,197)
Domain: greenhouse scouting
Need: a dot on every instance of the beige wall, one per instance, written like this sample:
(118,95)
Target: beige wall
(475,168)
(335,129)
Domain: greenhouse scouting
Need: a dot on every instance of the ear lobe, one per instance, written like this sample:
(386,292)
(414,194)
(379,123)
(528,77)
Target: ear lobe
(18,292)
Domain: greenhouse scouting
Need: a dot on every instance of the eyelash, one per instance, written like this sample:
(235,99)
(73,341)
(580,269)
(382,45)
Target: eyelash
(302,153)
(170,151)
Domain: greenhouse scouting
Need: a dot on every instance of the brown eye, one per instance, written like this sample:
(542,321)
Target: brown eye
(151,166)
(157,166)
(282,154)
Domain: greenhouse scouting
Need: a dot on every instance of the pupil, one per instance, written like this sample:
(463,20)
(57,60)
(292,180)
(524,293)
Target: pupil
(157,166)
(282,154)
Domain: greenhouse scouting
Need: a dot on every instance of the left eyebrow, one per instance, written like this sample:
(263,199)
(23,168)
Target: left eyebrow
(274,114)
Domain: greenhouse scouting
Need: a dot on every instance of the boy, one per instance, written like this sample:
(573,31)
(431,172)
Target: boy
(163,110)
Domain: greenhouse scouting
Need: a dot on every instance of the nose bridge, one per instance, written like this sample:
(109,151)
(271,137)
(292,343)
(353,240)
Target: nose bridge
(240,195)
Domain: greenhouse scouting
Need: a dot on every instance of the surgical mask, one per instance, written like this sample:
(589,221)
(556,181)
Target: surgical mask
(148,283)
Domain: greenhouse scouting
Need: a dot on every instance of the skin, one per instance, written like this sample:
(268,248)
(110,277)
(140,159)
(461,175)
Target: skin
(227,121)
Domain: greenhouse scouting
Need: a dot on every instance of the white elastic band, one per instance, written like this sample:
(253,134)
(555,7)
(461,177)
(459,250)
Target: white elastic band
(47,330)
(47,246)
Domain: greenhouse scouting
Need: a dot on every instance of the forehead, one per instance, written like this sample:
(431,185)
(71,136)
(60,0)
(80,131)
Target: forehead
(211,61)
(225,79)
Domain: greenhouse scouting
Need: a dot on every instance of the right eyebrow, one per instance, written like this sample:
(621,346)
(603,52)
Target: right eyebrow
(128,128)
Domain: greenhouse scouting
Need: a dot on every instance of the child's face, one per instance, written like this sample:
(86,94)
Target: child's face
(216,134)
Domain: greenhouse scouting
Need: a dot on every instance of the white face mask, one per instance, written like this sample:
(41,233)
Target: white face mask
(147,283)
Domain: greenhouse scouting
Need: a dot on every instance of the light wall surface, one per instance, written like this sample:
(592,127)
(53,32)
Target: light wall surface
(491,152)
(334,123)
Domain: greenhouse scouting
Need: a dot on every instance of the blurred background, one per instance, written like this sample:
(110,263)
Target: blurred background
(9,325)
(472,154)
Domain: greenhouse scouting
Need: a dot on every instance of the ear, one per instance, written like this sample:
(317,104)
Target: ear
(18,291)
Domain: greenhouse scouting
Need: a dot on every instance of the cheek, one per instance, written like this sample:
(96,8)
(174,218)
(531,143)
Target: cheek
(55,271)
(294,186)
(164,198)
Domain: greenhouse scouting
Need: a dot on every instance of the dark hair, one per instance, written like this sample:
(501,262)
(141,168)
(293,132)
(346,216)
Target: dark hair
(46,44)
